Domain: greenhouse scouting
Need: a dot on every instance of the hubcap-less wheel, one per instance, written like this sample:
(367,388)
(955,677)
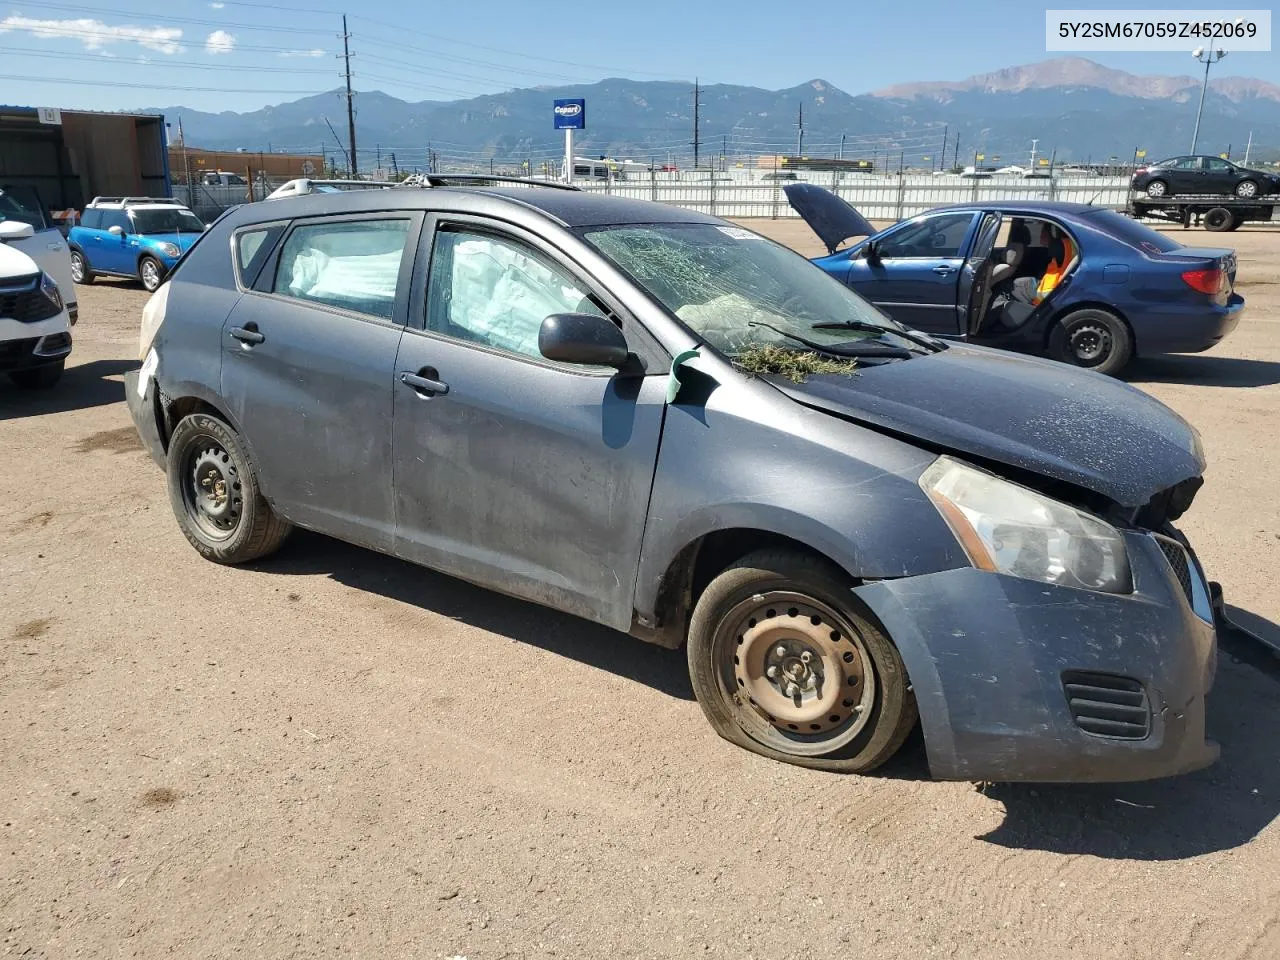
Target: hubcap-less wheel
(1090,344)
(77,268)
(1247,189)
(150,275)
(211,491)
(795,672)
(1156,188)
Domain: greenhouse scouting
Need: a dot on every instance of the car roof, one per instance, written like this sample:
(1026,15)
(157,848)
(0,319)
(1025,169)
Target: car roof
(1029,207)
(570,208)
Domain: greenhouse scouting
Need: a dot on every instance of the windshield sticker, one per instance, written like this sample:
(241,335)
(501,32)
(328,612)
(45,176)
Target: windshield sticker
(738,233)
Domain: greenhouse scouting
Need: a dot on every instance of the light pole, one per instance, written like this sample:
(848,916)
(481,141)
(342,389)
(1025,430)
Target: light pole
(1207,57)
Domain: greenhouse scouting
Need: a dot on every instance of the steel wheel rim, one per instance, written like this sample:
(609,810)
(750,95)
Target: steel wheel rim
(77,267)
(150,275)
(1247,189)
(1155,189)
(1090,343)
(796,685)
(211,490)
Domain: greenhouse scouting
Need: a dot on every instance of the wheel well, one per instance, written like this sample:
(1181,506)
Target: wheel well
(175,410)
(1090,305)
(701,561)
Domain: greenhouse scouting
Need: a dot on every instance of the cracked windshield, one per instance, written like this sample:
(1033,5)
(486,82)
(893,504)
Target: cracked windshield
(738,291)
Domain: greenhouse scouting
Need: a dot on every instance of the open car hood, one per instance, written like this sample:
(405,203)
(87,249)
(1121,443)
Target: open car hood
(1041,416)
(833,220)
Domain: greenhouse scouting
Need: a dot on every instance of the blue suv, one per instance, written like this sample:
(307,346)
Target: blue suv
(131,237)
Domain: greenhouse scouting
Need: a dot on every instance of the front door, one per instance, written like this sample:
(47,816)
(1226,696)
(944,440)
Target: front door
(110,253)
(916,271)
(520,474)
(308,363)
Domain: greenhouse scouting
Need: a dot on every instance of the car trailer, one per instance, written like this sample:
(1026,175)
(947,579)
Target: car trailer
(1216,213)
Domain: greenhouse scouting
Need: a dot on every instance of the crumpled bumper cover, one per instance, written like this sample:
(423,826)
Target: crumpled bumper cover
(986,654)
(143,411)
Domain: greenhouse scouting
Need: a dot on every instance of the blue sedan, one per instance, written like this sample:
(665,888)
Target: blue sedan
(976,272)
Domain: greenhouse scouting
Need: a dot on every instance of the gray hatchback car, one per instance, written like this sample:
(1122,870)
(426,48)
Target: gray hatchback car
(666,424)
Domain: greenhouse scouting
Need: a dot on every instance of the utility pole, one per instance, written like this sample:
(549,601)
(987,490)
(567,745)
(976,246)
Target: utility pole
(942,157)
(378,154)
(800,132)
(395,170)
(724,152)
(841,154)
(1034,141)
(351,110)
(955,161)
(186,161)
(697,104)
(1247,147)
(1207,57)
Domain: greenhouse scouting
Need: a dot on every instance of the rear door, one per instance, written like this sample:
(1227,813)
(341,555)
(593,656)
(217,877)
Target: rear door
(308,360)
(1189,176)
(916,277)
(521,474)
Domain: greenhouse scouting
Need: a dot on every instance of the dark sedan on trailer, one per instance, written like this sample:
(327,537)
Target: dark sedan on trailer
(601,405)
(1201,175)
(977,272)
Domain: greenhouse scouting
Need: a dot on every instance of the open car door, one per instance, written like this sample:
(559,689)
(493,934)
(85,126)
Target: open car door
(831,218)
(974,293)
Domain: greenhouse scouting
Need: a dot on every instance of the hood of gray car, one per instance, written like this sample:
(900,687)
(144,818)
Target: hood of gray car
(1036,415)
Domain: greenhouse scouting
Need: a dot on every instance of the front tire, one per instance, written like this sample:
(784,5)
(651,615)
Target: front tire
(1157,189)
(38,378)
(150,274)
(787,664)
(1094,339)
(1246,189)
(80,272)
(214,494)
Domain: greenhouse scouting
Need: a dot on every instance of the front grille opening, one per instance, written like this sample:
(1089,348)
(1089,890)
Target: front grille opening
(1108,705)
(1176,554)
(27,306)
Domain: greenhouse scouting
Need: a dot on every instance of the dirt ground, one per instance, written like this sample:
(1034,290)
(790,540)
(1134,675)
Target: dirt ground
(334,753)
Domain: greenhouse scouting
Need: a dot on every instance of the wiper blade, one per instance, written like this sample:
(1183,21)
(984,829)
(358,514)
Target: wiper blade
(841,350)
(927,342)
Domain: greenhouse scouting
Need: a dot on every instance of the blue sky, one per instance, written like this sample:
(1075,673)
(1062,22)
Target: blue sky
(239,55)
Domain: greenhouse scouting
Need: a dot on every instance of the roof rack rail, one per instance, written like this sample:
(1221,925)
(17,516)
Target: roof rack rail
(464,179)
(128,200)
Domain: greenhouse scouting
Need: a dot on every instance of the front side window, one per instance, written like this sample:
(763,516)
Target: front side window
(353,265)
(165,220)
(495,291)
(940,236)
(115,218)
(735,289)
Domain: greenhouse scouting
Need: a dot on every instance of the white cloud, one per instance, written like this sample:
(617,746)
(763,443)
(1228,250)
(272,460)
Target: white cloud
(219,42)
(317,52)
(217,6)
(95,34)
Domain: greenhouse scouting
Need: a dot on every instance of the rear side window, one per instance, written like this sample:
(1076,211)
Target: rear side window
(353,265)
(1133,233)
(252,248)
(92,219)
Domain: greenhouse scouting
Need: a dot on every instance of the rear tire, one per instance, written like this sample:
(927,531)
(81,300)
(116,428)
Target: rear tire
(786,663)
(214,494)
(1157,189)
(1219,219)
(1247,189)
(150,274)
(39,378)
(80,272)
(1092,338)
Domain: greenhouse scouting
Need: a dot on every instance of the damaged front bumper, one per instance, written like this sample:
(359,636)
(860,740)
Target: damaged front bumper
(999,664)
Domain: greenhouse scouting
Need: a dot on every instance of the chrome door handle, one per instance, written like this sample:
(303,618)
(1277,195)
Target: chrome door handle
(943,269)
(425,385)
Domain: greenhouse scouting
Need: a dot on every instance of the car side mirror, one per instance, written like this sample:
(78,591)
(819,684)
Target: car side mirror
(116,231)
(584,338)
(871,252)
(15,230)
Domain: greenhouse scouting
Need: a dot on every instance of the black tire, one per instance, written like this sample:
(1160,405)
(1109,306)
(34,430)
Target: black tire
(1157,189)
(38,378)
(238,527)
(874,709)
(80,272)
(1092,338)
(1247,189)
(150,273)
(1219,219)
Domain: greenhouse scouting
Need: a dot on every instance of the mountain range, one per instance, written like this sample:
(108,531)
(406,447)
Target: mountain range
(1074,107)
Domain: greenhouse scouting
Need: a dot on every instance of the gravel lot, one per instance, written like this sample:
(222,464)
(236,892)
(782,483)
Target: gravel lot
(336,753)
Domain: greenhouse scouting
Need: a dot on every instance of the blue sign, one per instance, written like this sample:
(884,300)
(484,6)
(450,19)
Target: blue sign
(571,115)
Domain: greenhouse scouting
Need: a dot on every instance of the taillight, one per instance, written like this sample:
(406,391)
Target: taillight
(1140,170)
(1205,281)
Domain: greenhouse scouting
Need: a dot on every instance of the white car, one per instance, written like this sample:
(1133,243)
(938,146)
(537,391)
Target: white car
(46,245)
(35,325)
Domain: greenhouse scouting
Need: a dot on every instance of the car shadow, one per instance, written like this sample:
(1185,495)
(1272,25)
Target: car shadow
(1203,370)
(82,386)
(560,633)
(1219,808)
